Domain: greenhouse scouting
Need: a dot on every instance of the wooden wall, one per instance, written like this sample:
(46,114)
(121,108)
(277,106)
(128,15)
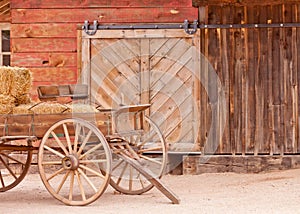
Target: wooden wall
(259,71)
(258,67)
(44,33)
(4,11)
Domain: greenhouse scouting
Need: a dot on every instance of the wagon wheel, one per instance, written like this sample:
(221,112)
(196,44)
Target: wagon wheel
(150,147)
(14,163)
(72,154)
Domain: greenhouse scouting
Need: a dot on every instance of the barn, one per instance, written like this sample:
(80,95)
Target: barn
(225,94)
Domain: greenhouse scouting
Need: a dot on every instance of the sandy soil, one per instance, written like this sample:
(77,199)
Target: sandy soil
(274,192)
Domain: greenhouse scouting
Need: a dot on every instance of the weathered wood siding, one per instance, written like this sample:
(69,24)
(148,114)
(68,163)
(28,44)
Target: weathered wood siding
(259,69)
(5,11)
(44,33)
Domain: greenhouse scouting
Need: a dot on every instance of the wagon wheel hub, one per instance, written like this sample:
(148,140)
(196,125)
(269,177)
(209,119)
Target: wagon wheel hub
(70,162)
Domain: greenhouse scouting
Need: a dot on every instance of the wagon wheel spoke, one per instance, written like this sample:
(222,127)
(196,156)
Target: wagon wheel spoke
(77,131)
(72,172)
(80,186)
(151,159)
(51,162)
(130,184)
(54,151)
(55,174)
(61,145)
(92,171)
(67,137)
(87,179)
(63,181)
(141,181)
(90,151)
(122,173)
(84,142)
(11,158)
(71,186)
(93,161)
(117,165)
(8,168)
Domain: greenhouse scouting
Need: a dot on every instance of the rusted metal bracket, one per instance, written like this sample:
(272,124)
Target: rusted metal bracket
(90,30)
(192,30)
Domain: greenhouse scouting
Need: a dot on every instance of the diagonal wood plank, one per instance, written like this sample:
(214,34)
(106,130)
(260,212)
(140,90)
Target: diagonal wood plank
(171,63)
(170,76)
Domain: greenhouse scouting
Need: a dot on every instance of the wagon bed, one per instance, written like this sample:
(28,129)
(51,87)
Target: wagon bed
(37,124)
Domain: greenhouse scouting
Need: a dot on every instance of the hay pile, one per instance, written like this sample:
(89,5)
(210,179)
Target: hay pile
(22,109)
(14,88)
(81,108)
(40,108)
(53,108)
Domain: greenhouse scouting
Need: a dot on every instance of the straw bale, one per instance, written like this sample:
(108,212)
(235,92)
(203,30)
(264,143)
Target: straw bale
(81,108)
(15,81)
(22,82)
(6,79)
(23,99)
(7,103)
(7,99)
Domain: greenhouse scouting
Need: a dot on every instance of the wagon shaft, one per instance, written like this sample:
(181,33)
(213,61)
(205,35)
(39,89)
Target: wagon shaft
(152,178)
(130,154)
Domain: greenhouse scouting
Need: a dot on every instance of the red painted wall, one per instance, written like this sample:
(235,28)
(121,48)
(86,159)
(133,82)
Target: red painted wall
(44,32)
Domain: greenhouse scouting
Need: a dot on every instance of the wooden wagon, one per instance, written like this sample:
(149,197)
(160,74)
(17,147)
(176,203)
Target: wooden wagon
(79,154)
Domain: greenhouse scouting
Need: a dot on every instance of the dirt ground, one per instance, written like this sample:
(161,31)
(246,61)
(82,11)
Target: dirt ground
(273,192)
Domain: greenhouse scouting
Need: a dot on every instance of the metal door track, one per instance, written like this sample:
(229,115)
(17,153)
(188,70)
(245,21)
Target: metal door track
(189,27)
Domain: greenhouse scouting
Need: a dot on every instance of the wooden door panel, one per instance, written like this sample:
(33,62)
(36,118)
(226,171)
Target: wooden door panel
(148,70)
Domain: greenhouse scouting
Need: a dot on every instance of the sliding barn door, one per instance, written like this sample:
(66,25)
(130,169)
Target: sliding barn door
(126,67)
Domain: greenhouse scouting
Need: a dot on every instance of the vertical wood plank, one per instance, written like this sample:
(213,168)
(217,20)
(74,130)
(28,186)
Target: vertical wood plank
(204,119)
(297,67)
(294,82)
(233,126)
(251,60)
(254,105)
(79,53)
(289,126)
(224,77)
(282,85)
(270,99)
(214,59)
(276,85)
(197,127)
(85,77)
(240,82)
(264,72)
